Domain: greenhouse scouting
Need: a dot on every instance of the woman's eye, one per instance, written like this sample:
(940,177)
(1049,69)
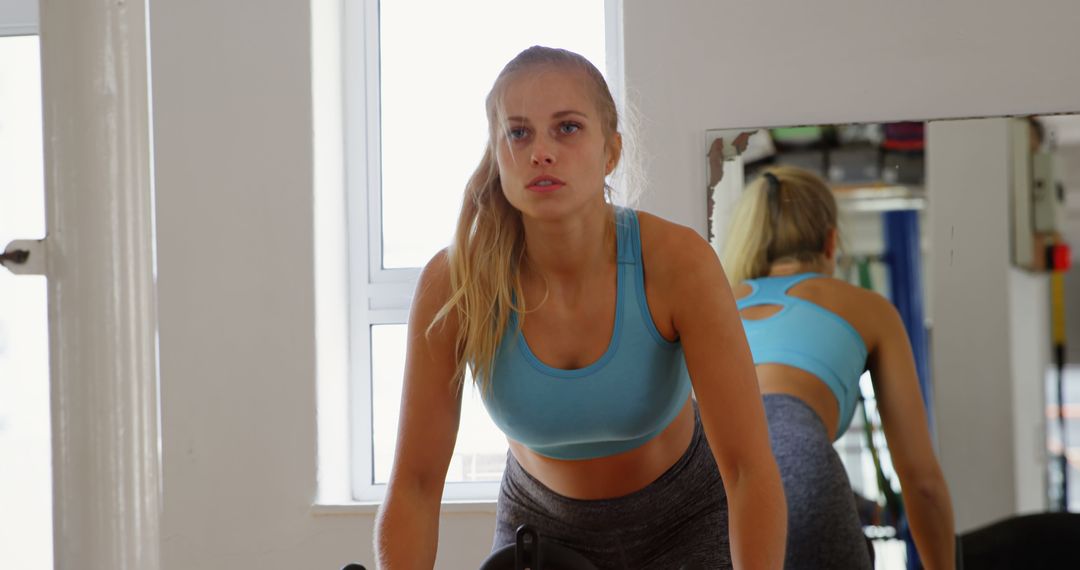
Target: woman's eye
(516,133)
(569,128)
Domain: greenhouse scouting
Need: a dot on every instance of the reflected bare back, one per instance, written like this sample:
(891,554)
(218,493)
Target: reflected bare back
(854,305)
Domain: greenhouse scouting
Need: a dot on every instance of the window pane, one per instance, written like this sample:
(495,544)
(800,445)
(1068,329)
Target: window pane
(437,61)
(480,452)
(25,448)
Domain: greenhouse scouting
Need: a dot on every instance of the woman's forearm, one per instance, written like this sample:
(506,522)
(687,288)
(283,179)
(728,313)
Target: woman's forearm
(406,532)
(757,514)
(929,512)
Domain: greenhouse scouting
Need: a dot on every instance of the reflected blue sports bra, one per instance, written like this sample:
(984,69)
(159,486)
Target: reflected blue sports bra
(806,336)
(624,399)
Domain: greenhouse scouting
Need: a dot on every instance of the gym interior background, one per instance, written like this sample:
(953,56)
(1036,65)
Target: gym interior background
(249,369)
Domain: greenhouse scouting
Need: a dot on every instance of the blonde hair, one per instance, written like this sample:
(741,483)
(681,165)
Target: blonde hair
(790,222)
(489,242)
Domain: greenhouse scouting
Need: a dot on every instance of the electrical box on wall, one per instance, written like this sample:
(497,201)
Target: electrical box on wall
(1038,203)
(1047,194)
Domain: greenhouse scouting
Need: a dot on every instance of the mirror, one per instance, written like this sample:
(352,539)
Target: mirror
(965,226)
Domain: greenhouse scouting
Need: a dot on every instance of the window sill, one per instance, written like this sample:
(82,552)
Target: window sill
(370,508)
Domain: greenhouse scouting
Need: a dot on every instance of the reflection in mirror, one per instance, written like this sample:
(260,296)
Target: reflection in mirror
(871,169)
(886,179)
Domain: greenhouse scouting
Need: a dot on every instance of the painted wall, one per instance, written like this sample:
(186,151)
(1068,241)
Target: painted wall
(232,112)
(988,377)
(1029,328)
(233,132)
(693,65)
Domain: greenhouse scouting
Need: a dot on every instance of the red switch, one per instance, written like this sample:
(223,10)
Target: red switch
(1060,257)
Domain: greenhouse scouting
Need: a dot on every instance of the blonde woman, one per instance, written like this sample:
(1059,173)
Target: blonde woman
(585,325)
(812,337)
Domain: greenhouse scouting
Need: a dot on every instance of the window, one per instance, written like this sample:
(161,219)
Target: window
(415,130)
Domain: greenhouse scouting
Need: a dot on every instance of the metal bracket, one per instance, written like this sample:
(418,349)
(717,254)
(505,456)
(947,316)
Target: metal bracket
(25,257)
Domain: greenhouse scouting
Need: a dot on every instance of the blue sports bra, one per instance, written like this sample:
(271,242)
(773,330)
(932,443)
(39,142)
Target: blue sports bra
(806,336)
(624,399)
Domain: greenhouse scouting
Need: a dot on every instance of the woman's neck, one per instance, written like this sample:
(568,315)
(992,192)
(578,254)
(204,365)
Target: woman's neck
(569,248)
(785,268)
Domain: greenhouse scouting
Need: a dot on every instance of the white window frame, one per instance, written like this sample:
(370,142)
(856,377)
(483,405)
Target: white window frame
(379,296)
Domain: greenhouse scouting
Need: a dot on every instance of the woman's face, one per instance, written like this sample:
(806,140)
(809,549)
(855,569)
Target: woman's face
(550,143)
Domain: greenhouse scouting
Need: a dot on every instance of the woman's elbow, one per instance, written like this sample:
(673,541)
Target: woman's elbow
(930,488)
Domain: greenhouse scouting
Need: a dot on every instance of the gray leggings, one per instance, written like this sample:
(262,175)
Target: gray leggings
(681,519)
(823,524)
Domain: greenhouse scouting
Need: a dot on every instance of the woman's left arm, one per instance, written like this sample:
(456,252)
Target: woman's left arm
(722,372)
(927,503)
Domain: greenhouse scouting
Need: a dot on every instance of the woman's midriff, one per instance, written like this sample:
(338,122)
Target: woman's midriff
(783,379)
(616,475)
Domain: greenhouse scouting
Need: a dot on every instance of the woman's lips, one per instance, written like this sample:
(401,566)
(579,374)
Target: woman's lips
(545,184)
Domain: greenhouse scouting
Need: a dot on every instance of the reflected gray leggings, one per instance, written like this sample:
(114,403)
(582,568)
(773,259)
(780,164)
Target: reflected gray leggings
(681,519)
(823,525)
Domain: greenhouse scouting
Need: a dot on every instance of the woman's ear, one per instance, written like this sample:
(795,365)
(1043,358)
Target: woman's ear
(614,152)
(832,243)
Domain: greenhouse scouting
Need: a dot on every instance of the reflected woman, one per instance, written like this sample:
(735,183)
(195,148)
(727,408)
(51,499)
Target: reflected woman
(812,337)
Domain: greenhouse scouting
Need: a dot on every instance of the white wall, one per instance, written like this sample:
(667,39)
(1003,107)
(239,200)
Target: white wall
(1029,327)
(990,341)
(693,65)
(233,135)
(233,130)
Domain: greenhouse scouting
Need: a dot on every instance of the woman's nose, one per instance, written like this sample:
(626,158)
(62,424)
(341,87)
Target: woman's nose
(542,155)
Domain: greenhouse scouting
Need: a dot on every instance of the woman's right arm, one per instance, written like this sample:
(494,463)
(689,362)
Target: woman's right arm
(903,417)
(407,526)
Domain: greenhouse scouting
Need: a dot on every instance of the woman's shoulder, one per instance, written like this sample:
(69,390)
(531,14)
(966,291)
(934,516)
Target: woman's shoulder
(868,311)
(842,287)
(649,221)
(679,265)
(436,272)
(671,242)
(433,288)
(833,291)
(867,299)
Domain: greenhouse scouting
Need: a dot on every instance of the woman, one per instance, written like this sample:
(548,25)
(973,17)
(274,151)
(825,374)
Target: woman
(584,325)
(812,337)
